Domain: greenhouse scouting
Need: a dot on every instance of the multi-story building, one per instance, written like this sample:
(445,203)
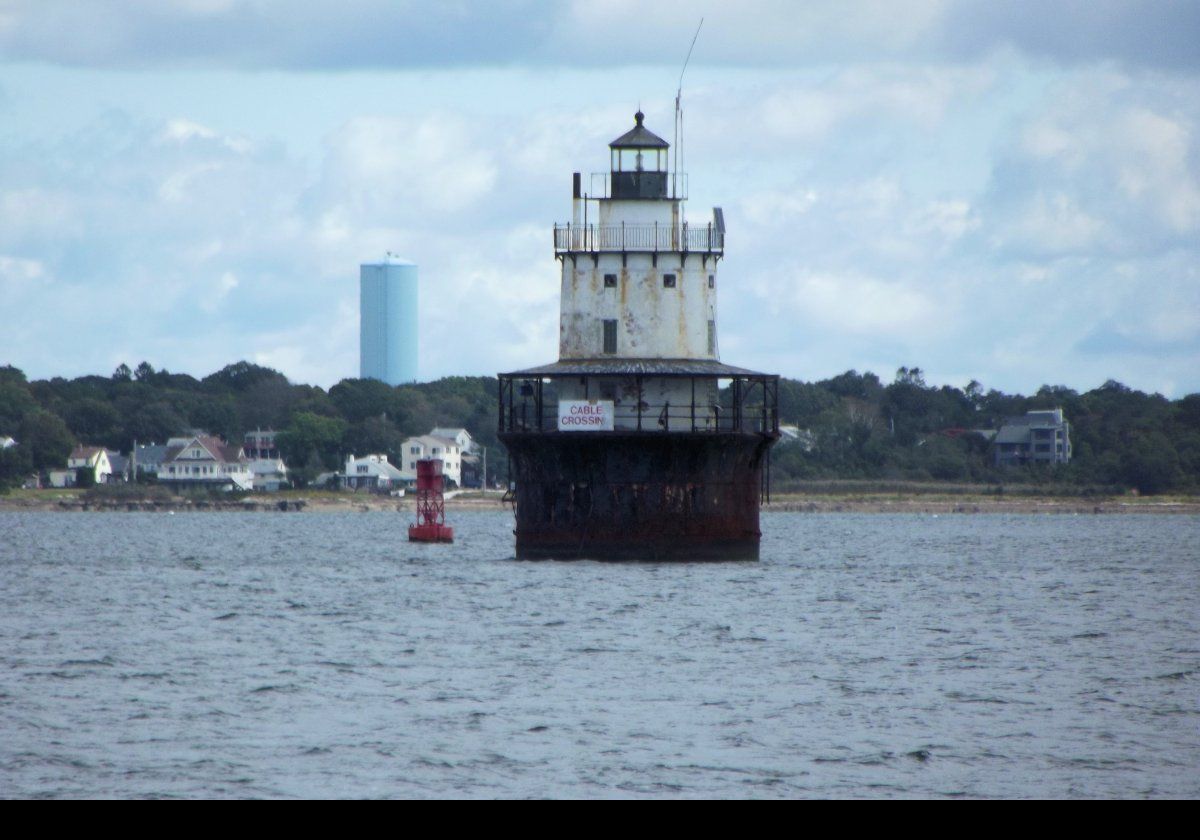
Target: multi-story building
(433,446)
(466,443)
(1039,437)
(270,472)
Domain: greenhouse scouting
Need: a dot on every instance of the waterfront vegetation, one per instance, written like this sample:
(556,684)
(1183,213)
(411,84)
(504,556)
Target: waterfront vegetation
(859,431)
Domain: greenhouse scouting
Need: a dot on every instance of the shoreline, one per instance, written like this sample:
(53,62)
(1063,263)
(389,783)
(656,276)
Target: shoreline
(913,502)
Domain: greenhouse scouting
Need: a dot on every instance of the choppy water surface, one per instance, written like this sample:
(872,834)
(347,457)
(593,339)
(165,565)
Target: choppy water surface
(283,655)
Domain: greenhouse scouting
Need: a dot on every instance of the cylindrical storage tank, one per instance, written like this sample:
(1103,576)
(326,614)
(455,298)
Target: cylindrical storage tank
(388,321)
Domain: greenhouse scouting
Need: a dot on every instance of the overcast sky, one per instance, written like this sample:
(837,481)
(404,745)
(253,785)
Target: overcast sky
(1001,191)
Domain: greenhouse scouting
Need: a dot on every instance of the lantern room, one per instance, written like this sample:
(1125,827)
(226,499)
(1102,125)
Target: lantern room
(639,163)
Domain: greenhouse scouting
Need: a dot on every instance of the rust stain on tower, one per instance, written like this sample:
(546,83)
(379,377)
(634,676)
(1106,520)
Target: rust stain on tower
(638,443)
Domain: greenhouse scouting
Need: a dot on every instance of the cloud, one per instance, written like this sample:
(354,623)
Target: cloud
(18,276)
(1108,162)
(854,304)
(989,218)
(1158,35)
(407,167)
(1109,339)
(324,35)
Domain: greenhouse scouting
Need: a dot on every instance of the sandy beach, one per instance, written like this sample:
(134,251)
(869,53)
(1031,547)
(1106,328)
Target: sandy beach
(915,502)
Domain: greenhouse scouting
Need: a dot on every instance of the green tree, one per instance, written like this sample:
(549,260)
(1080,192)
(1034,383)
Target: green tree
(15,402)
(49,440)
(15,465)
(94,421)
(374,434)
(358,399)
(1151,464)
(241,376)
(153,423)
(217,415)
(265,404)
(310,435)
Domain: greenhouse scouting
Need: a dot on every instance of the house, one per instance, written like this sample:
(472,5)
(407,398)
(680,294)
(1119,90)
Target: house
(6,442)
(205,461)
(374,474)
(147,459)
(260,444)
(432,446)
(60,478)
(795,435)
(466,443)
(121,467)
(1042,436)
(93,458)
(270,473)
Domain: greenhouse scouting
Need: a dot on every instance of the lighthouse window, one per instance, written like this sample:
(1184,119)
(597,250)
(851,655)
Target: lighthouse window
(668,281)
(610,336)
(712,281)
(610,281)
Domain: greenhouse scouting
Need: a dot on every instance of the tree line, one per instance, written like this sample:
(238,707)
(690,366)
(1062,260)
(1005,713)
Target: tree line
(907,430)
(855,426)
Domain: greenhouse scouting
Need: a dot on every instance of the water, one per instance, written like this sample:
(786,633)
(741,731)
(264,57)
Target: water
(314,655)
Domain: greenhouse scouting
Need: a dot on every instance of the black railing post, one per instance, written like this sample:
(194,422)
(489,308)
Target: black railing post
(639,399)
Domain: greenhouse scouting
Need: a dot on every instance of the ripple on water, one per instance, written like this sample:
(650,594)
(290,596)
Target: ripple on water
(238,655)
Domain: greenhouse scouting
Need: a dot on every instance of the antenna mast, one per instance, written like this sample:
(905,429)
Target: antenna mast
(679,112)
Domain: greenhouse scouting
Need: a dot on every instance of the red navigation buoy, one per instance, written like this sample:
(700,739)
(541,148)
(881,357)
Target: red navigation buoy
(431,509)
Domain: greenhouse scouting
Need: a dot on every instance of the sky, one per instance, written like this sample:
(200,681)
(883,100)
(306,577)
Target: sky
(1006,192)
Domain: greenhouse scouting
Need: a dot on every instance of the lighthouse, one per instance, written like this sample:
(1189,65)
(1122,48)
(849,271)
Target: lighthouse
(638,443)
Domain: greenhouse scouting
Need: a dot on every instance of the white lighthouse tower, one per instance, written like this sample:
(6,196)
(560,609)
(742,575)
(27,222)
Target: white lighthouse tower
(639,283)
(638,441)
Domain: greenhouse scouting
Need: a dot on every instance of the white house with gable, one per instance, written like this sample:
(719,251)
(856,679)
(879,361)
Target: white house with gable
(466,443)
(375,473)
(433,446)
(94,458)
(203,460)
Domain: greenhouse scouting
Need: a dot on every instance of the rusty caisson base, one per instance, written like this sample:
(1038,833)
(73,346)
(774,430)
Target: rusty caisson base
(637,495)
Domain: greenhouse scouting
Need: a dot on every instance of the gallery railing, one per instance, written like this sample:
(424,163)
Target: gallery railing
(654,238)
(744,405)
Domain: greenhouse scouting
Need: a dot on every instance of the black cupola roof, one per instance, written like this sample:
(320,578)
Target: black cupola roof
(639,137)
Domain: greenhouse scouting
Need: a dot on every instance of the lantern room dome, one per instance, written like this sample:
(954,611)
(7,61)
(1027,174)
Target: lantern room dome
(639,137)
